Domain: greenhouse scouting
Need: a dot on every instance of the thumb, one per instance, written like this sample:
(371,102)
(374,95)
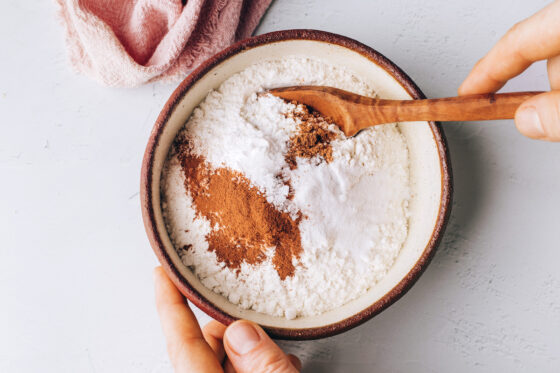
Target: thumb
(250,350)
(539,117)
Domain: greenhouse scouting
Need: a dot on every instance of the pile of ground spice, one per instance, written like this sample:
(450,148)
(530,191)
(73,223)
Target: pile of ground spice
(312,138)
(244,223)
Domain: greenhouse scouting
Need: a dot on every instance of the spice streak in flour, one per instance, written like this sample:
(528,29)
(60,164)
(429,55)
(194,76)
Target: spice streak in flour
(245,225)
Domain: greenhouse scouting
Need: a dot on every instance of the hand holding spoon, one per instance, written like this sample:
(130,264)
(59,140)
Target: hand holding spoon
(352,112)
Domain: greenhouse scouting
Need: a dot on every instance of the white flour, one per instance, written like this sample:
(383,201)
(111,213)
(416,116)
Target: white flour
(356,205)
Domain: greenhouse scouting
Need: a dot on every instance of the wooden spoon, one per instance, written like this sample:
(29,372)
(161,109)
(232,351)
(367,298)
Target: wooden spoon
(352,112)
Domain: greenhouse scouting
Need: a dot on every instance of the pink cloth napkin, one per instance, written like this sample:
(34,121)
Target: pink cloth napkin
(130,42)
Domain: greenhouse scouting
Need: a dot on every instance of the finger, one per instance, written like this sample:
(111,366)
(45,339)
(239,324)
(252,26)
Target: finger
(213,333)
(251,350)
(553,67)
(228,366)
(534,39)
(539,117)
(295,361)
(186,346)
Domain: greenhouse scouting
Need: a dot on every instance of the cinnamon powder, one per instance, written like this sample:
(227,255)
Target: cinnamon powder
(312,139)
(244,223)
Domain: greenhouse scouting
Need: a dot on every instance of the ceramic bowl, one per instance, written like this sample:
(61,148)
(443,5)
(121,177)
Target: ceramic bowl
(430,173)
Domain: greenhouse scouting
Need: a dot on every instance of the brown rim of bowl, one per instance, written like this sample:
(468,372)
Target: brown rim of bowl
(146,191)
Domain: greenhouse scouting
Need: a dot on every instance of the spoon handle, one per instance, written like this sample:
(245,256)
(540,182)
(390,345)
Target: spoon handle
(464,108)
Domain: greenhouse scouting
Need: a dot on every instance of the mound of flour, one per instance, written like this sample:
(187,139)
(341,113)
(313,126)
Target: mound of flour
(355,206)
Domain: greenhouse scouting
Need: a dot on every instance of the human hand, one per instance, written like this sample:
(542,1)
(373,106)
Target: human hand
(242,347)
(534,39)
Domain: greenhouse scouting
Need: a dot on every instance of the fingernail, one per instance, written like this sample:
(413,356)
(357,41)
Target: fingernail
(242,337)
(529,123)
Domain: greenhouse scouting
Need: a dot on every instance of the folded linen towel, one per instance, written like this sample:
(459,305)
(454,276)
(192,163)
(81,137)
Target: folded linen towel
(130,42)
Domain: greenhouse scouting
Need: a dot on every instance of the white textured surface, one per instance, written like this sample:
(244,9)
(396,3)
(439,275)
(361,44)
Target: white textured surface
(75,266)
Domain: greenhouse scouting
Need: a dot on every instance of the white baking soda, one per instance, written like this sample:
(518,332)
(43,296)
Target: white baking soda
(355,206)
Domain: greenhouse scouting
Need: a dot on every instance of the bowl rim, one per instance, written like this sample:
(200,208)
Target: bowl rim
(147,175)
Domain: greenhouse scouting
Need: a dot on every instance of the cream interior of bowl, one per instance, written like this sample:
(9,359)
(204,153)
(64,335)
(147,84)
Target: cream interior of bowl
(426,177)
